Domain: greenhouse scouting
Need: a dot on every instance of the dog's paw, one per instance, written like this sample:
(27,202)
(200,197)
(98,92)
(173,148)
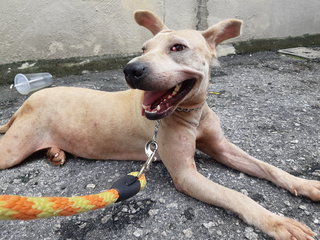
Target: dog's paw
(308,188)
(283,228)
(56,156)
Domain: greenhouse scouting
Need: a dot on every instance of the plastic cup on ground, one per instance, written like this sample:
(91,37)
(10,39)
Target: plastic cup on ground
(26,83)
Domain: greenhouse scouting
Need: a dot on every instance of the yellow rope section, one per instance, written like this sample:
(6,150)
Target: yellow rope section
(13,207)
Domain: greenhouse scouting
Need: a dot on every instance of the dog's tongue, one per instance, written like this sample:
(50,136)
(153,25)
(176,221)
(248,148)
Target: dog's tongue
(151,96)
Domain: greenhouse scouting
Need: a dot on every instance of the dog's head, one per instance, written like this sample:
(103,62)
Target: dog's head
(174,67)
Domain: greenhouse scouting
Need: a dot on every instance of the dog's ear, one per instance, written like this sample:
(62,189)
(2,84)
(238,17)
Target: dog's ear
(150,21)
(222,31)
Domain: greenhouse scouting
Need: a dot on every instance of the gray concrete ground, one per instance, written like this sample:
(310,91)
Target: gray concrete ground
(269,105)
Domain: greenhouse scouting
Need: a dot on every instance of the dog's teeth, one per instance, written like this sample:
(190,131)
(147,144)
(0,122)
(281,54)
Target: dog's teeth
(176,90)
(158,108)
(169,96)
(144,107)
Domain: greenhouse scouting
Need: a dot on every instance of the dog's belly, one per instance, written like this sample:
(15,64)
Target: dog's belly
(106,146)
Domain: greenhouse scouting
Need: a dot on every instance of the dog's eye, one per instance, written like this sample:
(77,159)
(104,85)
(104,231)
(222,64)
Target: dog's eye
(177,48)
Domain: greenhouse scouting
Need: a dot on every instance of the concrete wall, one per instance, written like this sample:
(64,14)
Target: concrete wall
(45,29)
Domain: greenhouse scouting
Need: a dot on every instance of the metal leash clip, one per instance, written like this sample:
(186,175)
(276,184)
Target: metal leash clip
(150,149)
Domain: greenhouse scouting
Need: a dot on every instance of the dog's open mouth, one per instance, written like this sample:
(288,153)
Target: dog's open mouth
(159,104)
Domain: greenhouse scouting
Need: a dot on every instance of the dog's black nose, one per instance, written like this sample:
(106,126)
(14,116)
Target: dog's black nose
(134,72)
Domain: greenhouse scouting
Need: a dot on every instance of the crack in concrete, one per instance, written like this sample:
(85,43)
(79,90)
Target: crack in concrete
(202,15)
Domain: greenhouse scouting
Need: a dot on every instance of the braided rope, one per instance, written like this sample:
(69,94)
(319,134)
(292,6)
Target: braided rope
(14,207)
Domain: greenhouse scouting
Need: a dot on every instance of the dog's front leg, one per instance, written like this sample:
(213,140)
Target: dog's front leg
(212,142)
(196,185)
(176,149)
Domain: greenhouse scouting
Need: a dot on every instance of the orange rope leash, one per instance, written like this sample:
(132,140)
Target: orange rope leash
(14,207)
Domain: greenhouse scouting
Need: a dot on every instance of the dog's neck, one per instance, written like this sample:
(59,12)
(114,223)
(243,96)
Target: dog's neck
(189,115)
(190,109)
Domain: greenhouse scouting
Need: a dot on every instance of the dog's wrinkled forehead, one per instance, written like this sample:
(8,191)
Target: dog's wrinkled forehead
(188,38)
(167,38)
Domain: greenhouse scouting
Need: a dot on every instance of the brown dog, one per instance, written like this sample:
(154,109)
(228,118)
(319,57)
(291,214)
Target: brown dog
(170,81)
